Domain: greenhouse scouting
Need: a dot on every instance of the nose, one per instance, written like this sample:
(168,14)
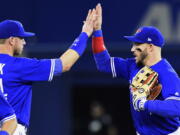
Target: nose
(24,42)
(133,48)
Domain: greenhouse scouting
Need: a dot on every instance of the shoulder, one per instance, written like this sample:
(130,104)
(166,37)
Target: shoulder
(164,68)
(169,79)
(28,61)
(19,63)
(24,59)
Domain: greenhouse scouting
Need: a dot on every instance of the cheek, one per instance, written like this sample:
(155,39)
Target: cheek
(19,46)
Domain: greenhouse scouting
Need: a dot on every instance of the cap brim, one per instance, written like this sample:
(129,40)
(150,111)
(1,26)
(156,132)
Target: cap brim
(27,34)
(133,39)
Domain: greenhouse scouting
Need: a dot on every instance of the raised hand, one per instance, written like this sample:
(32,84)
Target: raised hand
(98,20)
(89,22)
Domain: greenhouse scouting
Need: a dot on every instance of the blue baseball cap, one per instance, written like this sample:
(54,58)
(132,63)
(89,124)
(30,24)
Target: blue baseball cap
(147,34)
(12,28)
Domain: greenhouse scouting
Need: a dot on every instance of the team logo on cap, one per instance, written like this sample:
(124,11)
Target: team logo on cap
(149,39)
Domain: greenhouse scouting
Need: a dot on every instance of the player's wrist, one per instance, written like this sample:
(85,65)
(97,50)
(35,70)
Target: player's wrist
(86,32)
(4,133)
(80,43)
(139,104)
(97,28)
(98,42)
(98,33)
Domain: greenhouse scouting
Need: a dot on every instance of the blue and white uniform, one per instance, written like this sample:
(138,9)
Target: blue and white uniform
(6,111)
(18,74)
(17,78)
(161,116)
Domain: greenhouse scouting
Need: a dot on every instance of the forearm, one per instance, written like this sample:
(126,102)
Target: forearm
(101,55)
(68,59)
(77,48)
(98,42)
(102,61)
(9,126)
(74,52)
(166,108)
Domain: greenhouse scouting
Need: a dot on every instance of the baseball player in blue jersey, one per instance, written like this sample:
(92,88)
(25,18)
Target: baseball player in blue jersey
(17,74)
(8,120)
(151,117)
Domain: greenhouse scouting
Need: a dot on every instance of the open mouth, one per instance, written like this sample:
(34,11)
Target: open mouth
(135,56)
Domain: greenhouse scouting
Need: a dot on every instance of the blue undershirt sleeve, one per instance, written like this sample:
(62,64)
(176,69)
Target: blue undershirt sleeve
(103,61)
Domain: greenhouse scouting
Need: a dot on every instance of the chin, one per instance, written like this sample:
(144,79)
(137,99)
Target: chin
(17,53)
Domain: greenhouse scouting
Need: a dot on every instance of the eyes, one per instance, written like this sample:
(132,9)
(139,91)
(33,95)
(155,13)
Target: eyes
(138,49)
(138,46)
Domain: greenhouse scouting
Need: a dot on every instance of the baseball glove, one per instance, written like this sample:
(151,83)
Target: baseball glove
(145,84)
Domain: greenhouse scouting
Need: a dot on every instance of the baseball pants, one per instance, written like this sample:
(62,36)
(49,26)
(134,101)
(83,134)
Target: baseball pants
(20,130)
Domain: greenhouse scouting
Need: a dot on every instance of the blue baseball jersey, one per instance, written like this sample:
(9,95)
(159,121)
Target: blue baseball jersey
(17,76)
(6,111)
(146,122)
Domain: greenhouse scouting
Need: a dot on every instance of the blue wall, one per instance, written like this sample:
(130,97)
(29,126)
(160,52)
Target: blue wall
(61,20)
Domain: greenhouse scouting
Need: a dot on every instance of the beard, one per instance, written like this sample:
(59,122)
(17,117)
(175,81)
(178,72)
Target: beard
(17,52)
(142,57)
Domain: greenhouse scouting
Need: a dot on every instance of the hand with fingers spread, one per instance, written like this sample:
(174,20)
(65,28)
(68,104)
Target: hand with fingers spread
(98,20)
(89,22)
(97,40)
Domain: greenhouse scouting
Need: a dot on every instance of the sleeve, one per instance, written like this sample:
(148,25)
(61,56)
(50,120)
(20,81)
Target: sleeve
(34,70)
(118,67)
(169,106)
(166,108)
(103,61)
(6,111)
(170,86)
(58,67)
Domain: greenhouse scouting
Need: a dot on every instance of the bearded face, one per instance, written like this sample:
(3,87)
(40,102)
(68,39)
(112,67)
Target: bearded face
(18,47)
(140,52)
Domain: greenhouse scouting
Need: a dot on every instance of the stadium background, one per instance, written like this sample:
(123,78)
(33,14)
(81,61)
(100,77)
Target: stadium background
(62,107)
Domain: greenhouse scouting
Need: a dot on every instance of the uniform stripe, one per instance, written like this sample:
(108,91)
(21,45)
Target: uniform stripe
(52,69)
(137,133)
(172,97)
(113,67)
(8,118)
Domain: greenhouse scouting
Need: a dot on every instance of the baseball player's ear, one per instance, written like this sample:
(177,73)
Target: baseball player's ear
(151,47)
(11,40)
